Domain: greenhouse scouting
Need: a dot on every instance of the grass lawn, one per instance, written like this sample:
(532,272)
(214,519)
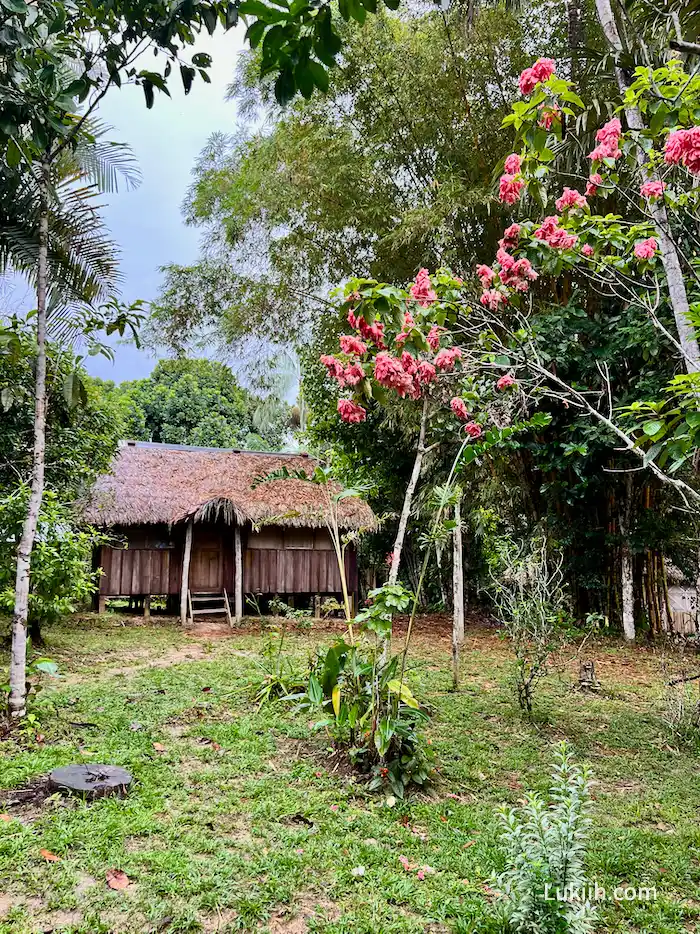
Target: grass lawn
(237,822)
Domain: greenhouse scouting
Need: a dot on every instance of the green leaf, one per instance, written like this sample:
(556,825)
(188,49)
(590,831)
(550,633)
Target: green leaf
(13,154)
(14,6)
(285,86)
(396,687)
(652,427)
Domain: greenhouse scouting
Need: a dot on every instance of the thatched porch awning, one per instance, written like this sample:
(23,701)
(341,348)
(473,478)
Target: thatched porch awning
(162,483)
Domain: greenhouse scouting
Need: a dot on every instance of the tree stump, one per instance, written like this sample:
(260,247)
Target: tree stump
(91,781)
(587,680)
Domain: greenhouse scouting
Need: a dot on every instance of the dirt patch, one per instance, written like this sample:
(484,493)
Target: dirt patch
(28,803)
(218,922)
(295,919)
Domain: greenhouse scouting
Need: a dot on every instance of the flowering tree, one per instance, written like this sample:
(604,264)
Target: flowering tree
(401,352)
(640,253)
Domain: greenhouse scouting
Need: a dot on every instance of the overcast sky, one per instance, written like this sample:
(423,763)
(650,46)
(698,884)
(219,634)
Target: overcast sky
(146,223)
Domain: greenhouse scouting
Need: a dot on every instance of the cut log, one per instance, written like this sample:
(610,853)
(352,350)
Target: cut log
(91,781)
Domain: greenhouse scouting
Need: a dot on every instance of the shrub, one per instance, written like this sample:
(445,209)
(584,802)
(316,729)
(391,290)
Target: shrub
(530,601)
(62,574)
(545,844)
(368,711)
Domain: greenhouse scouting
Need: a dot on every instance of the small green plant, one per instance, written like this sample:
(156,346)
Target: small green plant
(37,704)
(681,713)
(365,706)
(278,676)
(301,617)
(543,889)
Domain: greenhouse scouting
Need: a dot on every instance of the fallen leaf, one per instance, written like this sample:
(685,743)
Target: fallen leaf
(49,856)
(206,690)
(117,879)
(159,747)
(6,818)
(468,844)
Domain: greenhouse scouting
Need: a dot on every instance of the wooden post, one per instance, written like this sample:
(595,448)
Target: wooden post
(101,603)
(238,593)
(147,606)
(185,585)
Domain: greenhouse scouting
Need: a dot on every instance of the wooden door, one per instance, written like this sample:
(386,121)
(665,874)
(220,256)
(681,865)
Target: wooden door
(207,564)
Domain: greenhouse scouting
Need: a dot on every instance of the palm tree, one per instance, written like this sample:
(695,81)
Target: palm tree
(51,231)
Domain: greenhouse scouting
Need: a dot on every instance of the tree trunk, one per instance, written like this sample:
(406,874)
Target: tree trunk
(669,254)
(385,646)
(185,581)
(627,565)
(18,657)
(408,498)
(457,596)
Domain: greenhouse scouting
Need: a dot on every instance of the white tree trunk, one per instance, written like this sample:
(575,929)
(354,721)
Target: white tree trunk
(626,569)
(185,580)
(385,645)
(669,254)
(18,656)
(238,597)
(408,498)
(457,596)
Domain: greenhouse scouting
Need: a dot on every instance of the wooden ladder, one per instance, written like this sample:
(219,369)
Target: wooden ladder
(218,605)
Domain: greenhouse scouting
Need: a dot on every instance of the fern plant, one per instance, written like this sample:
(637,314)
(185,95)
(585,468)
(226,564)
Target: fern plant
(544,889)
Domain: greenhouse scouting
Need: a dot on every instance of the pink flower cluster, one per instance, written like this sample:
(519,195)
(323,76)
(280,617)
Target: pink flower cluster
(509,188)
(493,299)
(570,198)
(351,412)
(549,116)
(555,236)
(652,189)
(447,357)
(515,273)
(433,338)
(459,407)
(422,289)
(510,238)
(541,71)
(608,139)
(349,375)
(370,332)
(594,182)
(486,275)
(646,249)
(512,164)
(350,344)
(390,372)
(683,147)
(505,382)
(587,250)
(406,375)
(474,430)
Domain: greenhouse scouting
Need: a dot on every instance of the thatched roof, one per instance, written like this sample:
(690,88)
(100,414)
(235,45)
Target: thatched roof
(152,483)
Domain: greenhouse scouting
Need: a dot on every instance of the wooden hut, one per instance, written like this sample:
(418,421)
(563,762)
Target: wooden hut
(190,524)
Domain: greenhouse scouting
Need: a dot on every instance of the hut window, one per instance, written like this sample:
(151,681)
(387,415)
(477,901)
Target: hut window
(266,538)
(299,538)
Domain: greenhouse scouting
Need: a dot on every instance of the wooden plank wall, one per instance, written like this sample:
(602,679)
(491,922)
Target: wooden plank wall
(300,570)
(140,571)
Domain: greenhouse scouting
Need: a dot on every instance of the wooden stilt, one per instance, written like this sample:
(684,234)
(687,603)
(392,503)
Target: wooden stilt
(101,603)
(238,595)
(185,583)
(147,606)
